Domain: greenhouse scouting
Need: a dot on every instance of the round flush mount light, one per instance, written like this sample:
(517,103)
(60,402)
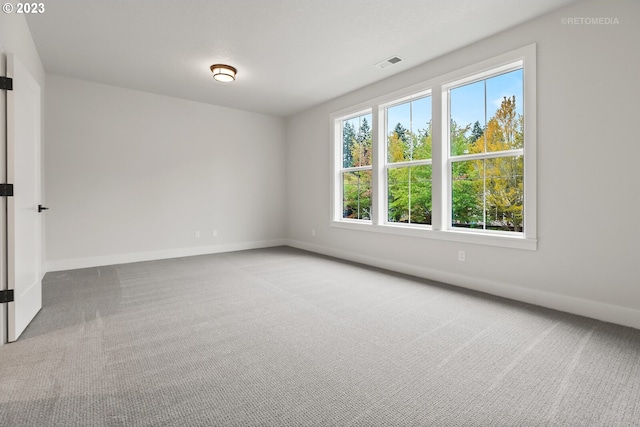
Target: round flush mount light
(223,73)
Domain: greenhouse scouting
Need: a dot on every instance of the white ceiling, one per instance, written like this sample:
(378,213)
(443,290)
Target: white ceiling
(290,54)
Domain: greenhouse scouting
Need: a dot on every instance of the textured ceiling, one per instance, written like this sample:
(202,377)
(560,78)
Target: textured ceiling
(290,54)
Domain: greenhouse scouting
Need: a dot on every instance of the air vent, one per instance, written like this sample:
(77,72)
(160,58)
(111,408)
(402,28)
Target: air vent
(388,62)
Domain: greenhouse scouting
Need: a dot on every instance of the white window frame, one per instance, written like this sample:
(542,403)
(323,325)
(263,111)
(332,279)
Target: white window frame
(341,170)
(441,228)
(385,156)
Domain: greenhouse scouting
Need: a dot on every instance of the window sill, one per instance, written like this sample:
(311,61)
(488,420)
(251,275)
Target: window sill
(466,236)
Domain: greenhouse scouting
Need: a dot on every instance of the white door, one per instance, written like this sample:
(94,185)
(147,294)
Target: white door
(24,250)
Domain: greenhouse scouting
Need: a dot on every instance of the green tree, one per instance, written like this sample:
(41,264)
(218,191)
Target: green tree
(410,190)
(466,195)
(357,195)
(398,202)
(460,144)
(422,144)
(397,149)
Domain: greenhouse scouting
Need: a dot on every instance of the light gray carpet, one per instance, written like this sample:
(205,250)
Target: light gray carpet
(282,337)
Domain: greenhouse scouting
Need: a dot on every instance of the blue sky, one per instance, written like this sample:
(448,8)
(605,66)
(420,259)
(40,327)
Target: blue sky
(413,115)
(467,103)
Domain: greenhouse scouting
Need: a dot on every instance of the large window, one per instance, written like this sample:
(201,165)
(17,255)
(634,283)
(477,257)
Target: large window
(486,141)
(452,158)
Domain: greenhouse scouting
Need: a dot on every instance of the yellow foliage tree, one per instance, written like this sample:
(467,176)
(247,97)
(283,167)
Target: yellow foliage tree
(503,176)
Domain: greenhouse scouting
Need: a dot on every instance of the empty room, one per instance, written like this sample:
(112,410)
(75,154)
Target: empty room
(319,213)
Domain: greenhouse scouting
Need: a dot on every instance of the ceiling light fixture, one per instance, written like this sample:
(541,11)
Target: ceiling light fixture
(223,73)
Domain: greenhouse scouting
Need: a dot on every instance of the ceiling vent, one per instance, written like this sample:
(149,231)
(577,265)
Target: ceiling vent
(388,62)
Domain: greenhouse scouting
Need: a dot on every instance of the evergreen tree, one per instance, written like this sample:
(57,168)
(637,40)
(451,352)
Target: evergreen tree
(476,132)
(401,131)
(361,150)
(364,133)
(348,142)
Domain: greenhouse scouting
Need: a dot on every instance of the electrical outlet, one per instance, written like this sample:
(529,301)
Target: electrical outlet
(215,233)
(461,256)
(196,234)
(313,232)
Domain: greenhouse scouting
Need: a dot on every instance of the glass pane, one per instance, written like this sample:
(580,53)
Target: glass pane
(356,195)
(467,104)
(420,194)
(398,185)
(409,131)
(421,128)
(505,98)
(467,198)
(356,141)
(488,194)
(409,194)
(487,115)
(504,193)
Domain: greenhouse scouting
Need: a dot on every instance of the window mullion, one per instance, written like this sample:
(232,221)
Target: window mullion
(378,181)
(412,163)
(356,169)
(439,150)
(484,192)
(489,155)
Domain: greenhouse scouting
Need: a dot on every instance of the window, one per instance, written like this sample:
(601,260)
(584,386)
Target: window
(452,158)
(408,165)
(486,141)
(356,167)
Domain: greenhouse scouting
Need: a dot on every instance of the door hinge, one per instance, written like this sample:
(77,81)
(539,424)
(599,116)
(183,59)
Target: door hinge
(6,296)
(6,83)
(6,190)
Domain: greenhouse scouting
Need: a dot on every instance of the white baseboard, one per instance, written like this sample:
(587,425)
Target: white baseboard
(76,263)
(597,310)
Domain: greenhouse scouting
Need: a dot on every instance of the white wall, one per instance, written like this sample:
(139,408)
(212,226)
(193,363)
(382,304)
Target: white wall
(15,38)
(131,176)
(587,95)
